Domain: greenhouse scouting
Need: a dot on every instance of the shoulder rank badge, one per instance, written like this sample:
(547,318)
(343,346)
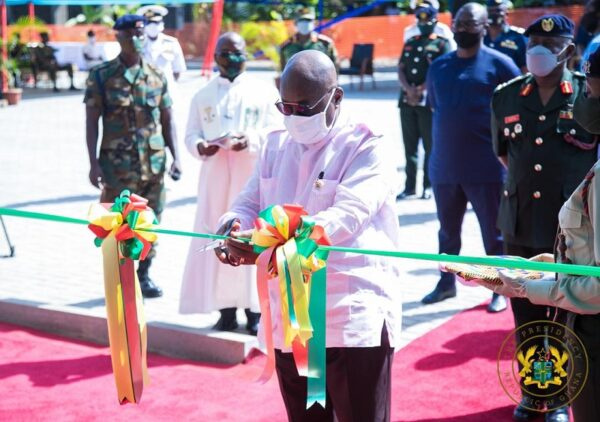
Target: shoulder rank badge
(566,87)
(526,90)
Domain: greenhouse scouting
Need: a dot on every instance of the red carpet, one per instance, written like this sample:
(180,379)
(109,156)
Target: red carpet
(447,375)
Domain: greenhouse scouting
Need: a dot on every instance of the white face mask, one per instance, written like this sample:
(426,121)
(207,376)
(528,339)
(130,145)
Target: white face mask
(153,29)
(309,129)
(541,61)
(305,27)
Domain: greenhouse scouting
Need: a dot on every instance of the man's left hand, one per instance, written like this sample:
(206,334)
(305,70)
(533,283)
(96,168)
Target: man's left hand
(175,170)
(239,141)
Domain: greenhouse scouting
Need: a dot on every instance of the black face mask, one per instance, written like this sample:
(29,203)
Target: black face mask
(467,39)
(426,29)
(496,19)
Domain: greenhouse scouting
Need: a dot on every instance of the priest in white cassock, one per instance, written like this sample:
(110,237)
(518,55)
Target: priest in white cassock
(225,121)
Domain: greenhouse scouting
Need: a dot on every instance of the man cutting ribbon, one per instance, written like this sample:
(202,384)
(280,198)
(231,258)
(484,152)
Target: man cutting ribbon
(338,172)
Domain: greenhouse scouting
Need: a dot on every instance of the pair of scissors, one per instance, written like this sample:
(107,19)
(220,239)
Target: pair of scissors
(217,243)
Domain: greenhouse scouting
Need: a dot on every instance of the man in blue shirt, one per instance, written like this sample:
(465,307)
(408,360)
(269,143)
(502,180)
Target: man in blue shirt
(503,37)
(463,167)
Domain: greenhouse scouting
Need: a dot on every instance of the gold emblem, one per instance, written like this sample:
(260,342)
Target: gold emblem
(208,115)
(547,24)
(422,16)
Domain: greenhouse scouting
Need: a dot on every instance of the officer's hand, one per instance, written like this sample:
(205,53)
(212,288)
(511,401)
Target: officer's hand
(543,257)
(239,142)
(96,175)
(206,150)
(239,251)
(175,171)
(222,252)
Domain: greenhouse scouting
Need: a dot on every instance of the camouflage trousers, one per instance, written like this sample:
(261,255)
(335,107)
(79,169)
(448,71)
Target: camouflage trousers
(153,190)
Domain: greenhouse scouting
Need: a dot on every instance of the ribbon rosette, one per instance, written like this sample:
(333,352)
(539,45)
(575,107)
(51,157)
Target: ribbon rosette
(288,240)
(120,230)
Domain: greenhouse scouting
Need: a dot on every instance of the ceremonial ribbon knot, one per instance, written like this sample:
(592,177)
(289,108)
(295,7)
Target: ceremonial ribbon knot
(129,218)
(288,241)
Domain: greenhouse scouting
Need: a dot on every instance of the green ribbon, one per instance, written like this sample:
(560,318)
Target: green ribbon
(572,269)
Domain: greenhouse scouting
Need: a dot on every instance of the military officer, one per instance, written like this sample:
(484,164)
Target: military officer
(131,97)
(415,117)
(307,39)
(503,37)
(546,153)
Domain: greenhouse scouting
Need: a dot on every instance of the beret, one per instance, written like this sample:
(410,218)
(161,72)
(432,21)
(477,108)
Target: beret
(129,22)
(591,66)
(425,12)
(551,26)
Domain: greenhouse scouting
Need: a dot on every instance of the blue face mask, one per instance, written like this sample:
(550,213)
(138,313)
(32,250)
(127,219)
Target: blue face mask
(541,61)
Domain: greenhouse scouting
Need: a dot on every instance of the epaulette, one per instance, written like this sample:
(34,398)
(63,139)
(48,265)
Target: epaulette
(170,38)
(324,38)
(517,29)
(513,81)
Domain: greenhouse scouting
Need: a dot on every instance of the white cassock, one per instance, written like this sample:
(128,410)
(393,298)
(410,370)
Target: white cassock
(245,105)
(165,53)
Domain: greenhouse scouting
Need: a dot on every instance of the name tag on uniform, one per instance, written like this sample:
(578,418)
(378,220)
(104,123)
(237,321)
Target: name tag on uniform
(512,119)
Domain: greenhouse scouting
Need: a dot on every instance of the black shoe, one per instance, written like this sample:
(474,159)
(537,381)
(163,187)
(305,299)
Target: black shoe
(55,89)
(438,294)
(253,320)
(426,194)
(559,415)
(498,304)
(523,414)
(73,88)
(405,195)
(227,321)
(149,289)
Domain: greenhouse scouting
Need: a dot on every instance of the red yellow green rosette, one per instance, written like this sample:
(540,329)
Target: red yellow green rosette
(288,240)
(119,228)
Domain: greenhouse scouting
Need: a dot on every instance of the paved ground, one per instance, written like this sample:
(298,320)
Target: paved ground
(43,167)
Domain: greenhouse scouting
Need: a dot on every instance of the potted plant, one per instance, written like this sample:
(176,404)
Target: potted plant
(8,68)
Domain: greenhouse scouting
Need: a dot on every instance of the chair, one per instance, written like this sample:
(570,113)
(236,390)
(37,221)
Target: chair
(361,63)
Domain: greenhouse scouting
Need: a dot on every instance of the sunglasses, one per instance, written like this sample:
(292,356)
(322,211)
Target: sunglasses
(288,109)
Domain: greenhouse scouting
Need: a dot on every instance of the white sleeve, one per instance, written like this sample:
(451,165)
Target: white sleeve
(193,131)
(273,119)
(247,204)
(179,61)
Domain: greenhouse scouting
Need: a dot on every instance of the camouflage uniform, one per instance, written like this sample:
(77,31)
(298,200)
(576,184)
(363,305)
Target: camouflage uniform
(317,42)
(132,153)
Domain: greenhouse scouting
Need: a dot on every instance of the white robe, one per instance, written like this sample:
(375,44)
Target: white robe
(245,105)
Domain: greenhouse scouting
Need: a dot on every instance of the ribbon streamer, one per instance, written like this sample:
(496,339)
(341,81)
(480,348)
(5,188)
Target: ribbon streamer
(119,230)
(288,243)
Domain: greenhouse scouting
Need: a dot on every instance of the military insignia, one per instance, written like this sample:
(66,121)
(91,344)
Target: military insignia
(506,132)
(433,48)
(423,16)
(251,116)
(547,24)
(566,87)
(510,44)
(565,114)
(526,90)
(518,128)
(512,119)
(208,115)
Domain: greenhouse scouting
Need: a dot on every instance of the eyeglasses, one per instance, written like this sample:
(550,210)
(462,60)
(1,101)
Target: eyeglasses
(466,25)
(287,109)
(226,54)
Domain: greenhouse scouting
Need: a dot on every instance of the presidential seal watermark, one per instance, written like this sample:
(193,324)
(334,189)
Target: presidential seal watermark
(542,365)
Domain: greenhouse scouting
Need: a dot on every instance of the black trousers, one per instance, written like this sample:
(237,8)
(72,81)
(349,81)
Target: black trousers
(416,124)
(451,202)
(586,406)
(358,385)
(524,311)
